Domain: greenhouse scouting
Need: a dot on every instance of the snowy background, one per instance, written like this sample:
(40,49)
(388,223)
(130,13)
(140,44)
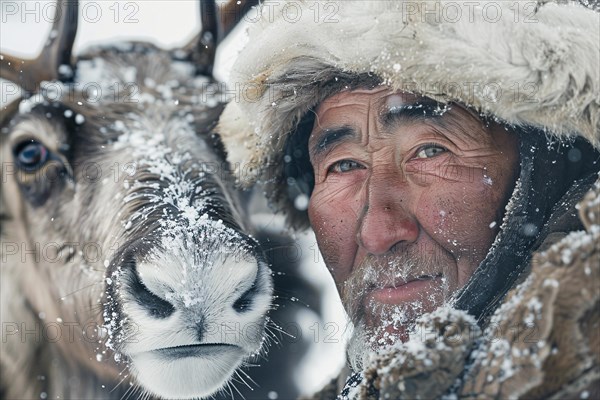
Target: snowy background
(174,23)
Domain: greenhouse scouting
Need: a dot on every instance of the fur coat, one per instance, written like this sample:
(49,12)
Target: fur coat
(543,342)
(532,65)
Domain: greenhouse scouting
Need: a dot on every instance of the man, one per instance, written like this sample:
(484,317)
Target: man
(439,154)
(418,193)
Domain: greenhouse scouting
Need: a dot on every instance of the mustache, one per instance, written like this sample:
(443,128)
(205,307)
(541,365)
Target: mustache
(376,272)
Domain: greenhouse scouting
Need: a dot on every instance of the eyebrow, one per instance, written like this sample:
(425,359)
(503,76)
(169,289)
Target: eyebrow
(330,136)
(425,109)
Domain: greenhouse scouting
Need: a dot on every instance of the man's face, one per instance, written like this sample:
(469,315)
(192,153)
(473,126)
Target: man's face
(407,201)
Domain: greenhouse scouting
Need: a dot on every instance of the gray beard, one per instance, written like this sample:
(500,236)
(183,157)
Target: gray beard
(358,349)
(367,341)
(376,272)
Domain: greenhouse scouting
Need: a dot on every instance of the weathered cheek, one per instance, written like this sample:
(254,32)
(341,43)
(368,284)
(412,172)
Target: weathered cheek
(437,212)
(334,227)
(474,221)
(452,215)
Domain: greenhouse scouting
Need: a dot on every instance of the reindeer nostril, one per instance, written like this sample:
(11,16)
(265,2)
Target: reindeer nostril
(162,310)
(156,307)
(244,303)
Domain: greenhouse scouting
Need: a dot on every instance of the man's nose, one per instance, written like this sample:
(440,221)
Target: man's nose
(386,220)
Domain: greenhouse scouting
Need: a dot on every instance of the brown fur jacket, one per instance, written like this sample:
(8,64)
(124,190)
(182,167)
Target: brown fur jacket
(543,342)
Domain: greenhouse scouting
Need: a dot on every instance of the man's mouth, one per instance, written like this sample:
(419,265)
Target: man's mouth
(406,290)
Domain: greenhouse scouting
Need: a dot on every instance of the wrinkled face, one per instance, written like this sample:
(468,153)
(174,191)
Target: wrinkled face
(408,198)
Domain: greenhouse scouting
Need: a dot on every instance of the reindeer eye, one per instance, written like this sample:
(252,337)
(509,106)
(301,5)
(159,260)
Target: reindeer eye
(31,155)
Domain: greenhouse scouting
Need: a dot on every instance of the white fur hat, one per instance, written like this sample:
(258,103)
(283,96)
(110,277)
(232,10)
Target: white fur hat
(527,63)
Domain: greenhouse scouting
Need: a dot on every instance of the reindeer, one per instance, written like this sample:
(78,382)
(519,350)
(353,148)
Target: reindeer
(127,264)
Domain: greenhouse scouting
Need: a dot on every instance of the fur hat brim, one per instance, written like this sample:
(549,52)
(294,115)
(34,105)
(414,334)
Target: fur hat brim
(524,65)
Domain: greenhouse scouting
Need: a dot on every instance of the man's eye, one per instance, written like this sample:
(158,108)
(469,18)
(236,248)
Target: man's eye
(430,150)
(344,166)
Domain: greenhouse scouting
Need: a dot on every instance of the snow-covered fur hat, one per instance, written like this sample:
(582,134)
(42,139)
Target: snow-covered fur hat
(526,63)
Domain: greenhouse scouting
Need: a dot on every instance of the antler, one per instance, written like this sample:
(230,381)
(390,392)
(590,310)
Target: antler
(232,13)
(217,23)
(204,47)
(54,62)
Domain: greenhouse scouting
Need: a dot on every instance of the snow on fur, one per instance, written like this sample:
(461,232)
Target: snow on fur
(542,74)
